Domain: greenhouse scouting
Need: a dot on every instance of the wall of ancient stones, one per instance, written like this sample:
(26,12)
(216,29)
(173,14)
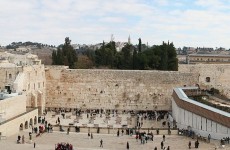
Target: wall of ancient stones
(113,89)
(217,73)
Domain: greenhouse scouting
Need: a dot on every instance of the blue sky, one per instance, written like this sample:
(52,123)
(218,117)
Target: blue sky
(197,23)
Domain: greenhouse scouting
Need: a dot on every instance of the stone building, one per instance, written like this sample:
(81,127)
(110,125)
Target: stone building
(198,117)
(22,94)
(207,59)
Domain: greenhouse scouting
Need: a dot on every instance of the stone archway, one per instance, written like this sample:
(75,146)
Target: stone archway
(21,127)
(26,125)
(31,122)
(35,120)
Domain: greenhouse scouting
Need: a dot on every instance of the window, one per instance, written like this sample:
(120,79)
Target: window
(10,76)
(207,79)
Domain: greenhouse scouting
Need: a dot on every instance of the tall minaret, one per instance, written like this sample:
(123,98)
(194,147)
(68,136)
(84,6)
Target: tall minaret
(129,40)
(112,38)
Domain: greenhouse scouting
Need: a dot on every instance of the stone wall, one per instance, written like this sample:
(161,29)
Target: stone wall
(34,86)
(218,74)
(113,89)
(7,76)
(29,80)
(200,125)
(11,107)
(12,127)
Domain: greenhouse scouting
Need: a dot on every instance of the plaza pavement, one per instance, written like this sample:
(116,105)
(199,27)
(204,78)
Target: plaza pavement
(80,141)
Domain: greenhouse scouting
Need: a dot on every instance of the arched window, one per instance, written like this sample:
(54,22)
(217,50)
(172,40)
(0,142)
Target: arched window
(10,76)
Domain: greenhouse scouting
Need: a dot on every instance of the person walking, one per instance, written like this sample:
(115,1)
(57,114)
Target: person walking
(164,138)
(91,135)
(162,144)
(209,138)
(189,144)
(101,143)
(127,145)
(118,132)
(88,135)
(68,130)
(34,144)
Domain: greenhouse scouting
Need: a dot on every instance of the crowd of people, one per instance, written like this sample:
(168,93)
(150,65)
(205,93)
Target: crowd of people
(63,146)
(143,137)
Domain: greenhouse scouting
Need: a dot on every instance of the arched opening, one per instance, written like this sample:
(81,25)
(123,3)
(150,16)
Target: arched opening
(21,127)
(31,122)
(35,120)
(26,125)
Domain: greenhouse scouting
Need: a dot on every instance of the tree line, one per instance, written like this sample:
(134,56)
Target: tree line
(133,57)
(65,55)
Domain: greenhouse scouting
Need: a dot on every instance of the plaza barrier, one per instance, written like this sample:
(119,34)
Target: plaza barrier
(109,130)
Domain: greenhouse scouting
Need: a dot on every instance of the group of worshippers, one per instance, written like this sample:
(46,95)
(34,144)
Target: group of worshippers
(224,141)
(143,137)
(63,146)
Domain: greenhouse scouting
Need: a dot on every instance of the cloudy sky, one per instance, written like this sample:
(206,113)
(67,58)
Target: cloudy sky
(185,22)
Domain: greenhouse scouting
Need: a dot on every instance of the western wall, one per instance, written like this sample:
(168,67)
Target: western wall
(113,89)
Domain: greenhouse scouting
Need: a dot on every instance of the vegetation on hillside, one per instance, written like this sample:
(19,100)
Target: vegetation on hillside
(15,45)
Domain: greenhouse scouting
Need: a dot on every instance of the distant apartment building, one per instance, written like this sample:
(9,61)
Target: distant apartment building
(187,50)
(207,59)
(23,49)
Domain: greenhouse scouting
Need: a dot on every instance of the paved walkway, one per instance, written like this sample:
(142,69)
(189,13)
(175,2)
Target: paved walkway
(80,141)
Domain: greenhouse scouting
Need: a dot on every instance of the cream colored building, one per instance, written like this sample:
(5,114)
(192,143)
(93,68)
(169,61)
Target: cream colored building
(22,92)
(207,59)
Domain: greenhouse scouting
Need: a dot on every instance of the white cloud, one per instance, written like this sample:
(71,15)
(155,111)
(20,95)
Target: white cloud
(50,21)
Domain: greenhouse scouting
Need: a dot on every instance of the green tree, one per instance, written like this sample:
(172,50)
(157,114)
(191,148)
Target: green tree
(139,45)
(65,55)
(54,57)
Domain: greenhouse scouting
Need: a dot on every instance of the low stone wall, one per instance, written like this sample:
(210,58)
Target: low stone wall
(11,127)
(102,130)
